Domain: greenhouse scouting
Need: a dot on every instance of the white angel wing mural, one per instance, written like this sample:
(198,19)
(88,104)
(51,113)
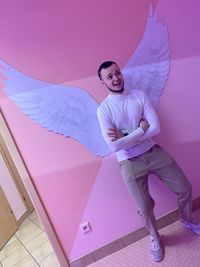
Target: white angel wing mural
(68,111)
(148,67)
(71,111)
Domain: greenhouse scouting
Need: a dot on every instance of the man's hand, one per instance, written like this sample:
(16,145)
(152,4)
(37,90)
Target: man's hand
(114,134)
(144,124)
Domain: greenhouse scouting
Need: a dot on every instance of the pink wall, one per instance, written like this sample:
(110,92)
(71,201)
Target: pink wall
(63,42)
(74,185)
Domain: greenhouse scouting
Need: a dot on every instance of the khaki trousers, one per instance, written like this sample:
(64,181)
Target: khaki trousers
(157,161)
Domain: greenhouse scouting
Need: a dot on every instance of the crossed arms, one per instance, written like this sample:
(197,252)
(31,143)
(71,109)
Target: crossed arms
(148,126)
(115,134)
(117,140)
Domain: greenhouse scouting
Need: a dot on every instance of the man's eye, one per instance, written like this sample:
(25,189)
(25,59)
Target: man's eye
(109,77)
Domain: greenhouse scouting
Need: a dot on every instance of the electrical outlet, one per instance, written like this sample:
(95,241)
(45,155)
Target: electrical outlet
(85,228)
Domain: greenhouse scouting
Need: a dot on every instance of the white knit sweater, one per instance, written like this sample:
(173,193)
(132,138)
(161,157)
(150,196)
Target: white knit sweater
(124,112)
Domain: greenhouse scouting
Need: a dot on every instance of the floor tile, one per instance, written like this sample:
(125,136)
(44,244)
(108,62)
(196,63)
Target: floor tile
(27,231)
(39,247)
(15,257)
(26,262)
(33,215)
(12,245)
(27,220)
(36,242)
(50,261)
(38,222)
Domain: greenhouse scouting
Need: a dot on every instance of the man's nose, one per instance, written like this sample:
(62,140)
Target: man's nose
(116,78)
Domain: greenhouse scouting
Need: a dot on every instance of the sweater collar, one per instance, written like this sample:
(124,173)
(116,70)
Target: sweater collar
(118,97)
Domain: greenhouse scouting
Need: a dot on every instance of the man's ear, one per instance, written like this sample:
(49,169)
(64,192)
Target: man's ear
(102,82)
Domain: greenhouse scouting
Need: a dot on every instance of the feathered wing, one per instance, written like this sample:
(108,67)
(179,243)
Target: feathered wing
(68,111)
(148,68)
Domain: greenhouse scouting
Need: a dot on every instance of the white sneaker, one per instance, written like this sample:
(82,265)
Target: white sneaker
(157,252)
(194,227)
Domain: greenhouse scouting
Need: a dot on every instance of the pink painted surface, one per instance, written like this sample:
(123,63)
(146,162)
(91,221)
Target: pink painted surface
(182,17)
(107,200)
(69,39)
(71,181)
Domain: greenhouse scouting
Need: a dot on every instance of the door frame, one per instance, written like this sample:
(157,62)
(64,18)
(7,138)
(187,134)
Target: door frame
(17,172)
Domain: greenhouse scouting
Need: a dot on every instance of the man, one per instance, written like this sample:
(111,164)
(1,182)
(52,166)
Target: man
(128,121)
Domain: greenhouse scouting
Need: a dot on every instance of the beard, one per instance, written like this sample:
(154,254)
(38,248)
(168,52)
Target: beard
(116,92)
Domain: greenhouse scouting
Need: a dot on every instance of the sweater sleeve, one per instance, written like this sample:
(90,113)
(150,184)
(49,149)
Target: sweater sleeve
(150,115)
(122,143)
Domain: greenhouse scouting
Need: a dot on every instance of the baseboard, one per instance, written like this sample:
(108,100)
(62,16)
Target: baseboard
(23,217)
(127,239)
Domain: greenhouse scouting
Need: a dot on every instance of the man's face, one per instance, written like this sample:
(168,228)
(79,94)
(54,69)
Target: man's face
(113,79)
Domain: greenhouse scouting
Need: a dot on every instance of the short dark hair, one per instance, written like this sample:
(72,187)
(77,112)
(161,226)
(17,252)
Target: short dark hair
(105,65)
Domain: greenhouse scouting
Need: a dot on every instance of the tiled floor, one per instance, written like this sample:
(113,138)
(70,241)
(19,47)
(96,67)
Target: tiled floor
(29,247)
